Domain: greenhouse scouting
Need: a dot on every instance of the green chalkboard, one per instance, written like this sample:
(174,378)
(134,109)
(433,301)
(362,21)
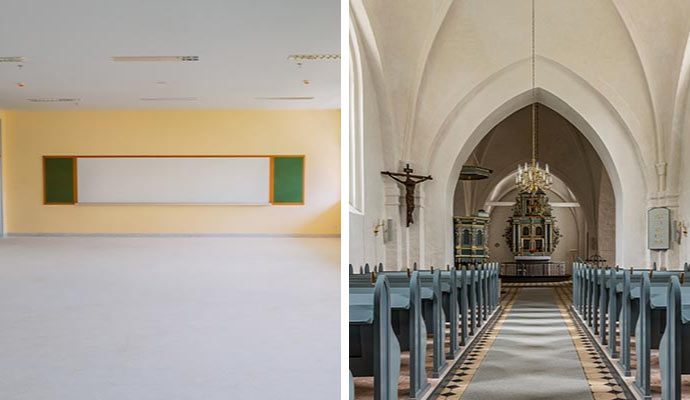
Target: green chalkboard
(288,180)
(58,175)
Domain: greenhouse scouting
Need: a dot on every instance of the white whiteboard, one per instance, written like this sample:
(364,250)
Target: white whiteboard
(180,180)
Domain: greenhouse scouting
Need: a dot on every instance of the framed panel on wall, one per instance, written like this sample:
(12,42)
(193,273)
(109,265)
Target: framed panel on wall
(202,180)
(659,228)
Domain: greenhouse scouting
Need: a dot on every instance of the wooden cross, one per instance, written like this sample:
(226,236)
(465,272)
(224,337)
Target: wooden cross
(410,183)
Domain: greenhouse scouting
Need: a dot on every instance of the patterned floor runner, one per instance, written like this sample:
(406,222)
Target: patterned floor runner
(533,351)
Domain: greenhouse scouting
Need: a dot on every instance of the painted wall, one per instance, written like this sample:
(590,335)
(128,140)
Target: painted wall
(30,135)
(631,91)
(365,247)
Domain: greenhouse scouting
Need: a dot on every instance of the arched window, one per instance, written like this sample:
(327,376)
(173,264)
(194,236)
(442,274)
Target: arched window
(479,239)
(466,238)
(356,136)
(525,231)
(540,231)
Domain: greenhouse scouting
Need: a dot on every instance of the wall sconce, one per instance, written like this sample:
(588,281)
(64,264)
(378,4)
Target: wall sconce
(384,226)
(681,231)
(378,227)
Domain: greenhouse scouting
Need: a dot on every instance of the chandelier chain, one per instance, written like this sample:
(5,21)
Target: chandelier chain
(534,94)
(532,178)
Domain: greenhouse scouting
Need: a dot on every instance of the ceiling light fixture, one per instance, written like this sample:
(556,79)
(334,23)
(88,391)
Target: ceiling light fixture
(312,57)
(169,98)
(154,58)
(531,178)
(284,98)
(12,59)
(54,100)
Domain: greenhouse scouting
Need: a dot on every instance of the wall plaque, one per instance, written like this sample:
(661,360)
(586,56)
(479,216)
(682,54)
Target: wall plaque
(658,228)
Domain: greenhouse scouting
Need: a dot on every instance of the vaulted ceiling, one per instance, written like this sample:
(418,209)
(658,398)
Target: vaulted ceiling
(428,57)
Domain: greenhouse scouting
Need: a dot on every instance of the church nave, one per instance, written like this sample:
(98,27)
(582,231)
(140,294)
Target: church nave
(536,148)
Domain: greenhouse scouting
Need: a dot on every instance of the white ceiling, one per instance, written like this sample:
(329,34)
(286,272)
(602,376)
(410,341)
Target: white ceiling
(242,45)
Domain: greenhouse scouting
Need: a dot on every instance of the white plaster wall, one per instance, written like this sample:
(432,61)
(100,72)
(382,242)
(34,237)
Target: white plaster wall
(606,221)
(365,247)
(448,71)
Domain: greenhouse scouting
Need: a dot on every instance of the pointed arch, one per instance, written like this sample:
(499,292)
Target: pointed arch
(578,102)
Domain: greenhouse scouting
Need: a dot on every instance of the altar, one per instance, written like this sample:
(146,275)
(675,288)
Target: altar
(532,235)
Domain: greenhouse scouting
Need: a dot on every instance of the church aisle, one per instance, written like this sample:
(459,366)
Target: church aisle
(533,352)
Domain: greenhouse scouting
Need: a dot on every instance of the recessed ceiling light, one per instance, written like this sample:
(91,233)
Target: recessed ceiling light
(12,59)
(169,98)
(54,100)
(284,98)
(154,58)
(306,82)
(309,57)
(161,82)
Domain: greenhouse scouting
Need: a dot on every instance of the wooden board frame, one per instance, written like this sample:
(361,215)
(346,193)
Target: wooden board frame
(74,177)
(271,179)
(304,182)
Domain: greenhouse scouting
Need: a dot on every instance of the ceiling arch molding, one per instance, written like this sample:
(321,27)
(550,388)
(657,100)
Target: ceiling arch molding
(680,113)
(579,103)
(363,39)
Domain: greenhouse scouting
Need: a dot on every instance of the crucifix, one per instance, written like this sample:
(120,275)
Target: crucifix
(410,182)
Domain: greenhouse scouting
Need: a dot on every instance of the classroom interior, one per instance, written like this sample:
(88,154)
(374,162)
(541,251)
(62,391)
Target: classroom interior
(170,199)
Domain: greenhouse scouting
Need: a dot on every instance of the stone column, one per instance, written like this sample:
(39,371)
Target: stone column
(394,211)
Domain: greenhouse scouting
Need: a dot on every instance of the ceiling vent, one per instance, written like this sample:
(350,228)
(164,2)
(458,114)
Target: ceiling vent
(12,59)
(284,98)
(55,100)
(169,98)
(154,58)
(313,57)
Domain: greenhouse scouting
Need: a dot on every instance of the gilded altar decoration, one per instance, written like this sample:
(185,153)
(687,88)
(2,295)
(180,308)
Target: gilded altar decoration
(532,229)
(471,238)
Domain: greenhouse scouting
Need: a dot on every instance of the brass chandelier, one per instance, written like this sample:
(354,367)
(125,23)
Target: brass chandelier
(530,177)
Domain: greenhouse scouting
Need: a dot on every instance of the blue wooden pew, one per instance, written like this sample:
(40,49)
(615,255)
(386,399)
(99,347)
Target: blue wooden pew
(374,349)
(653,296)
(450,308)
(432,307)
(674,349)
(406,304)
(435,317)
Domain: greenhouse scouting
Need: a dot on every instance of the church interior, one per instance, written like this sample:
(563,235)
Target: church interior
(519,199)
(170,199)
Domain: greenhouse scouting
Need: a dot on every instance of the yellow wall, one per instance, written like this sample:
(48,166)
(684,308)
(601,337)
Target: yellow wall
(30,135)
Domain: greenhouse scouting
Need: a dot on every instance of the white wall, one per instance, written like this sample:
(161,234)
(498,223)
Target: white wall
(445,75)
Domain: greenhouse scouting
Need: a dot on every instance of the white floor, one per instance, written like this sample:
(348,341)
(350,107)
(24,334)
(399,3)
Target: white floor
(169,318)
